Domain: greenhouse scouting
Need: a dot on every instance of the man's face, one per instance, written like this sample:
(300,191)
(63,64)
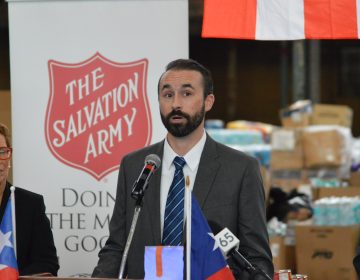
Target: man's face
(182,103)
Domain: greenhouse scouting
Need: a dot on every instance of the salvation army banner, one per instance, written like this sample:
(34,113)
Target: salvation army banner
(281,19)
(97,91)
(84,94)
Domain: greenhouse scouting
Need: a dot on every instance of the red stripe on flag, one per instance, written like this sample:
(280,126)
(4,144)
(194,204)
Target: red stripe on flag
(9,273)
(330,19)
(229,19)
(159,265)
(222,274)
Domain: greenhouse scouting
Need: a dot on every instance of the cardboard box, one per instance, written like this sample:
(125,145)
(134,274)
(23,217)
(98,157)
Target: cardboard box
(322,148)
(332,114)
(283,254)
(286,149)
(297,114)
(338,192)
(355,179)
(296,120)
(326,252)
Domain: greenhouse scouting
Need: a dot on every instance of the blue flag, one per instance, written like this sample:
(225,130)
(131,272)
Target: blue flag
(207,260)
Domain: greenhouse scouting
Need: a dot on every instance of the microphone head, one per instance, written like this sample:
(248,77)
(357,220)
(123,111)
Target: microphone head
(225,239)
(153,159)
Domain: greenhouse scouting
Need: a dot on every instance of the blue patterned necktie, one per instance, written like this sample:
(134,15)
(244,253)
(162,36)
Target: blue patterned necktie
(174,210)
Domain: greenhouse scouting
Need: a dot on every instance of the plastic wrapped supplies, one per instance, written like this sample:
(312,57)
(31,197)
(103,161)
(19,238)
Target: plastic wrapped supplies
(250,142)
(336,211)
(236,137)
(265,129)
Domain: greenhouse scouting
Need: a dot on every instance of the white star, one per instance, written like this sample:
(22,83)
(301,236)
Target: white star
(216,245)
(5,240)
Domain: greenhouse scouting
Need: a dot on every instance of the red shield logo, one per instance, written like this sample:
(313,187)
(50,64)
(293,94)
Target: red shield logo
(98,111)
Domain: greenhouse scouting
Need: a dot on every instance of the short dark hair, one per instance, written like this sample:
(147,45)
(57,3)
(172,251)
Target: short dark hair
(5,132)
(190,64)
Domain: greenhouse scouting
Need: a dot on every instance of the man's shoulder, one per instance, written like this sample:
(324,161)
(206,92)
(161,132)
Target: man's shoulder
(230,153)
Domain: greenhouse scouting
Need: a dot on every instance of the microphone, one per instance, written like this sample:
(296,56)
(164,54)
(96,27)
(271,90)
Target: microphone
(229,245)
(152,162)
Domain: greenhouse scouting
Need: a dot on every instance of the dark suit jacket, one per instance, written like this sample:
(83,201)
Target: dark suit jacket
(228,187)
(36,251)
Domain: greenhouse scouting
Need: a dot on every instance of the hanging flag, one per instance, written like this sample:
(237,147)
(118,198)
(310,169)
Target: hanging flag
(8,264)
(207,261)
(281,19)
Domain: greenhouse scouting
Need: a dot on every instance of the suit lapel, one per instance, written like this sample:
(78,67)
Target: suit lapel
(152,204)
(208,168)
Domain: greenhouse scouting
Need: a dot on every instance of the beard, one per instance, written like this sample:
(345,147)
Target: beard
(182,130)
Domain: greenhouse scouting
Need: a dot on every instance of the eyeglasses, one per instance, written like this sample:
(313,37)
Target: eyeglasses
(5,153)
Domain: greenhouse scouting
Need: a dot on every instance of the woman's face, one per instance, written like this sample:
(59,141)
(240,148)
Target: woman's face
(4,163)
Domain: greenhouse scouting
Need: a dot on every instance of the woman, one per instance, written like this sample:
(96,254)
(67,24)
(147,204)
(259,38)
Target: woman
(36,252)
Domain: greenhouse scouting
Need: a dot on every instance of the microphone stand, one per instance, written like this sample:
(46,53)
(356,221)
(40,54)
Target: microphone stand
(138,206)
(253,271)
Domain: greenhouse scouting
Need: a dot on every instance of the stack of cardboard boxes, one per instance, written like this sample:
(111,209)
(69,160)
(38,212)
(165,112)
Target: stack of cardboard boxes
(298,150)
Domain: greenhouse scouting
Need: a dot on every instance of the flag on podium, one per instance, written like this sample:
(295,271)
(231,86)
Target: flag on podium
(8,264)
(164,262)
(207,260)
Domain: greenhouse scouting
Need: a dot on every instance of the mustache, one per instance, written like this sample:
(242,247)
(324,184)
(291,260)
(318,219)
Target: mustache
(179,113)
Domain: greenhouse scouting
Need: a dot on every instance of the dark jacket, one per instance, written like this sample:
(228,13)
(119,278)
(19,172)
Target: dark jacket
(228,187)
(36,252)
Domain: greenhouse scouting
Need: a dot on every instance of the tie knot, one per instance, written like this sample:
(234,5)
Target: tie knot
(179,162)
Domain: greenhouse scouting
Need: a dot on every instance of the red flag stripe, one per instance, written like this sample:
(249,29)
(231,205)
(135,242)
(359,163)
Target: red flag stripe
(159,265)
(9,273)
(330,19)
(229,19)
(223,274)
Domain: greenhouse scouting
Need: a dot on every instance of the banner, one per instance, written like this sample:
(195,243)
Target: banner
(84,80)
(281,19)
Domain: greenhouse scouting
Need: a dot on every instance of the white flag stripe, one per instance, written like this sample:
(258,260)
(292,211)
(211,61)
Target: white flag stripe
(280,20)
(358,16)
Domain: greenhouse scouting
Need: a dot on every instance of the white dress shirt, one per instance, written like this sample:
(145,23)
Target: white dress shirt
(190,169)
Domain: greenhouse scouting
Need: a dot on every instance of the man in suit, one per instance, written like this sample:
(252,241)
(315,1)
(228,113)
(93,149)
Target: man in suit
(226,182)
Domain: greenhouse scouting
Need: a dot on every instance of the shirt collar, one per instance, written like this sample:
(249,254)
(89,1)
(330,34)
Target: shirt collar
(192,157)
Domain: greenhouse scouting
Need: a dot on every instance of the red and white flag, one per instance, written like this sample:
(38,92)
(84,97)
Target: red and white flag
(281,19)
